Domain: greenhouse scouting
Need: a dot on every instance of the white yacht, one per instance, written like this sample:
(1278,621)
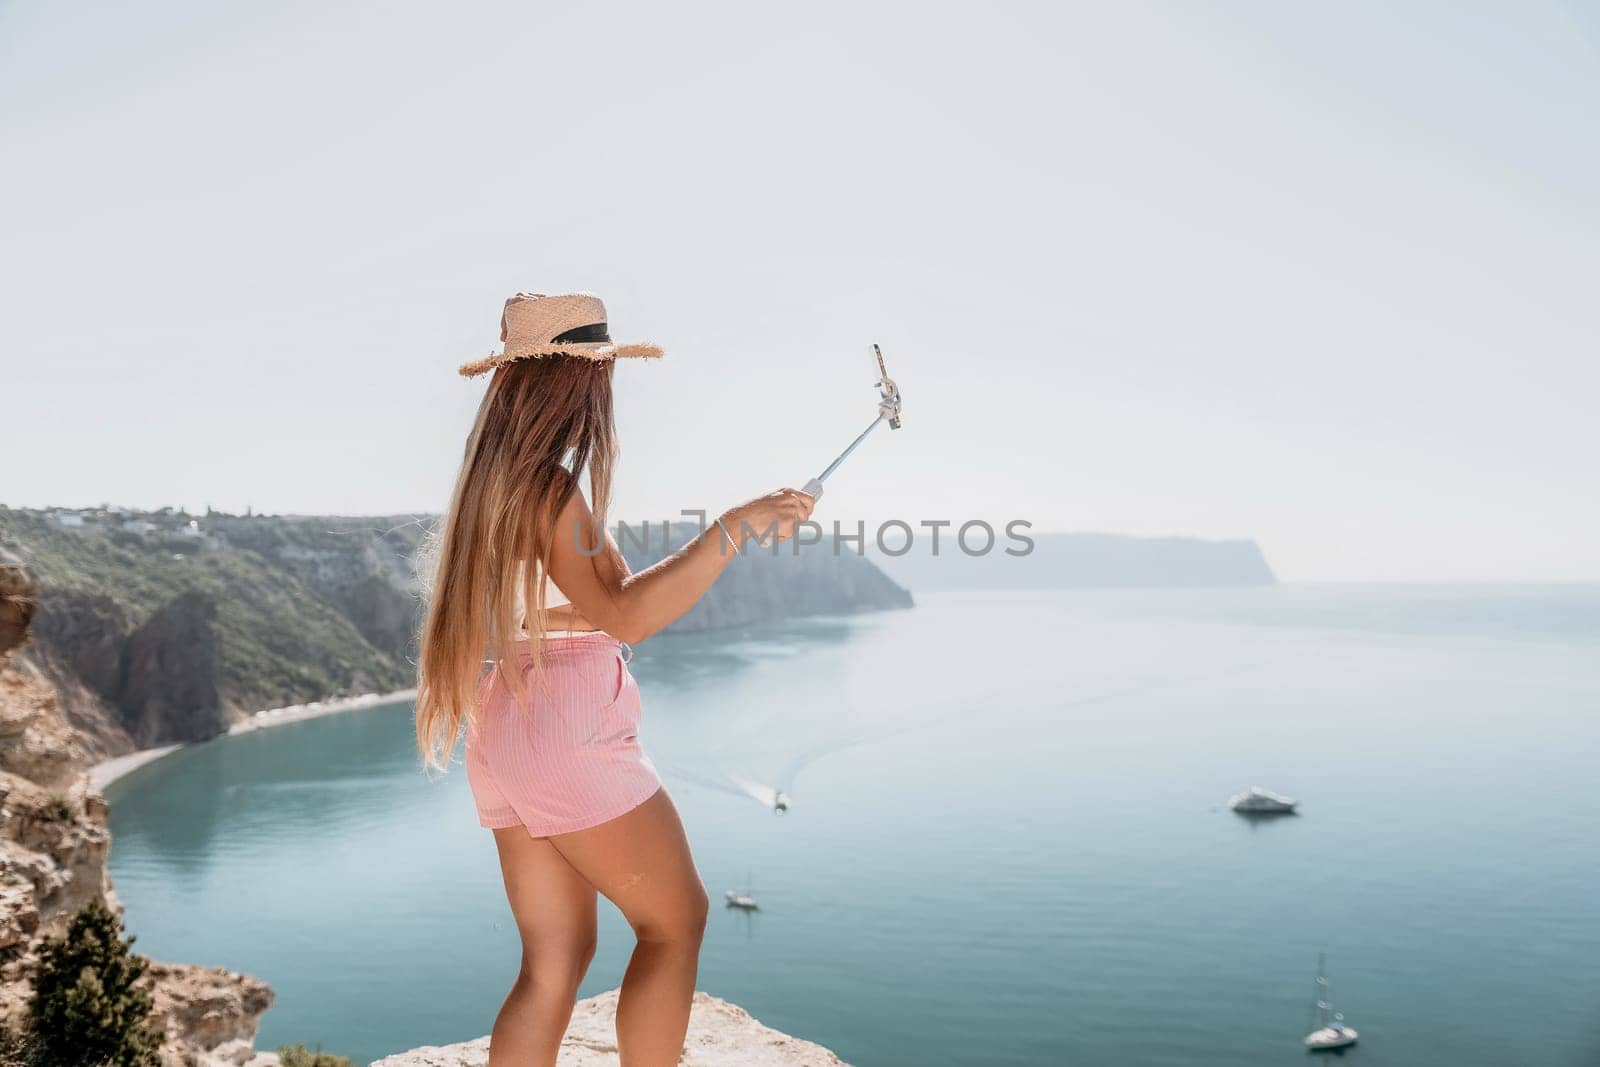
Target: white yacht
(1330,1032)
(1258,801)
(1335,1035)
(742,901)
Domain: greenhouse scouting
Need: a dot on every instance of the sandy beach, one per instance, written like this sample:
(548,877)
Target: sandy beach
(105,772)
(316,709)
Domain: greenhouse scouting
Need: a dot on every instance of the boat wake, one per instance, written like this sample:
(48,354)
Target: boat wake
(776,795)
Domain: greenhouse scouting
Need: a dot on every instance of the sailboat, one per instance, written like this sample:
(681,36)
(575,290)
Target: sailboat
(745,900)
(1330,1032)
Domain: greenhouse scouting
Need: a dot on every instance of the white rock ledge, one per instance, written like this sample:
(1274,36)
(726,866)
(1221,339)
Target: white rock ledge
(720,1035)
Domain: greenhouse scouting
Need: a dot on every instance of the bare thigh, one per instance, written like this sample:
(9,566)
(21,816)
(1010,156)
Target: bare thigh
(641,862)
(554,905)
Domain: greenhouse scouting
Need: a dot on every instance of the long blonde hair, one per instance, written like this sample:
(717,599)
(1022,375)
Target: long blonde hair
(541,423)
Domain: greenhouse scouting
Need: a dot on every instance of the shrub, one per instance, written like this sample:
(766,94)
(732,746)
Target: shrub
(60,808)
(85,1007)
(298,1056)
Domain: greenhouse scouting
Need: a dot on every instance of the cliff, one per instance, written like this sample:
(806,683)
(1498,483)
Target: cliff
(160,627)
(720,1035)
(53,850)
(1077,560)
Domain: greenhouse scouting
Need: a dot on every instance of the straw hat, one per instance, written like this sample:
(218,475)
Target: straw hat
(572,324)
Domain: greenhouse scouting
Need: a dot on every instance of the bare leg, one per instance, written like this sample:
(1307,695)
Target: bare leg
(555,912)
(641,862)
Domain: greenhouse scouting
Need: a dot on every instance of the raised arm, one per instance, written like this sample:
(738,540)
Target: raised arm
(631,607)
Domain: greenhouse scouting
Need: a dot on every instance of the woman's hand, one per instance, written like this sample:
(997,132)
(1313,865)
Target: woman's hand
(779,511)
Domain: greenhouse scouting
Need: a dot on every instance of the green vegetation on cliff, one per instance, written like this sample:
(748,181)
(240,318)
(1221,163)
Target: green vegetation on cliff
(300,1056)
(178,632)
(87,1007)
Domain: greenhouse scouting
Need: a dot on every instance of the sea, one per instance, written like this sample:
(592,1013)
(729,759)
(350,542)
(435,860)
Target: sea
(1008,839)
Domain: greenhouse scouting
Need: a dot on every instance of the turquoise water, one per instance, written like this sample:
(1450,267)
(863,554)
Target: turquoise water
(1007,843)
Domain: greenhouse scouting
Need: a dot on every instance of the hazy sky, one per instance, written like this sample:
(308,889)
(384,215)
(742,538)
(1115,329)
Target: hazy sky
(1321,275)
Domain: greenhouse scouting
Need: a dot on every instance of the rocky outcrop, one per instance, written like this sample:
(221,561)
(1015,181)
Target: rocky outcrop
(208,1016)
(36,743)
(134,683)
(78,641)
(19,602)
(54,844)
(84,634)
(53,850)
(169,674)
(53,837)
(720,1035)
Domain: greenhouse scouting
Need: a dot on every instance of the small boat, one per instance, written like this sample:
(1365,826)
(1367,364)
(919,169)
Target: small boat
(772,797)
(745,900)
(1258,801)
(1330,1032)
(742,901)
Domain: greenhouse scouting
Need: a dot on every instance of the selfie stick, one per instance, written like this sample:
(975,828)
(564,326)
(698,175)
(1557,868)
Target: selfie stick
(888,411)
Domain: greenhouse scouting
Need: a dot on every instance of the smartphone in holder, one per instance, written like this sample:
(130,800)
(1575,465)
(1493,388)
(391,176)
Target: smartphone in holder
(888,412)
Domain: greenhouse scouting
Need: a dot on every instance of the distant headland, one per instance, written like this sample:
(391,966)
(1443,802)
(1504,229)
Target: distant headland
(1082,560)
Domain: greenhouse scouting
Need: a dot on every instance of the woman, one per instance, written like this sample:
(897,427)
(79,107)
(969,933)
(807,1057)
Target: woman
(527,575)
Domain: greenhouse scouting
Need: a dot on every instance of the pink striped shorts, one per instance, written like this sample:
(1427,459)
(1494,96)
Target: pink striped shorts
(570,758)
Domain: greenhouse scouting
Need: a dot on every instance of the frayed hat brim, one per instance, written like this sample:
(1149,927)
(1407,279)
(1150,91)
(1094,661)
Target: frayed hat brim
(602,351)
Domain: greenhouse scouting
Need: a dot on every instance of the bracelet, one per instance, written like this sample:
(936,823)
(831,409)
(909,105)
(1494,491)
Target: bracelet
(731,542)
